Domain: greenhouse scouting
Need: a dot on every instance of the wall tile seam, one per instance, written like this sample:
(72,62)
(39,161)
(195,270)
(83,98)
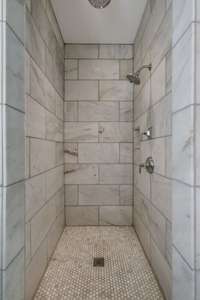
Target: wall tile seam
(5,105)
(45,171)
(15,34)
(188,28)
(41,35)
(44,74)
(97,60)
(46,202)
(44,139)
(44,107)
(183,258)
(12,260)
(189,106)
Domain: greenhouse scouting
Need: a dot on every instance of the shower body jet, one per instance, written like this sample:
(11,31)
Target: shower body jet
(135,77)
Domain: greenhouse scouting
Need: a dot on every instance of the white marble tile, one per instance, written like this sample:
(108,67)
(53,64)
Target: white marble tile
(113,215)
(116,51)
(71,111)
(120,90)
(158,82)
(142,100)
(183,15)
(197,229)
(59,153)
(182,146)
(70,153)
(183,71)
(35,270)
(13,222)
(27,243)
(126,111)
(126,195)
(42,156)
(14,69)
(15,17)
(116,132)
(161,194)
(81,132)
(183,221)
(197,58)
(54,127)
(183,279)
(98,69)
(54,181)
(158,228)
(71,195)
(13,279)
(116,174)
(76,216)
(168,248)
(35,119)
(27,73)
(126,152)
(98,111)
(81,51)
(98,195)
(143,234)
(81,90)
(81,174)
(98,153)
(162,270)
(197,165)
(142,181)
(37,84)
(158,153)
(142,207)
(14,146)
(71,69)
(35,195)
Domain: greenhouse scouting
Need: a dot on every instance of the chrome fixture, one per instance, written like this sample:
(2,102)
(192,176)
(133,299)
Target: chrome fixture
(99,3)
(148,133)
(148,165)
(135,77)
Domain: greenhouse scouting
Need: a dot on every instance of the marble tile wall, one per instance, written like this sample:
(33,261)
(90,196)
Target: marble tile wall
(98,135)
(12,145)
(185,150)
(44,192)
(152,108)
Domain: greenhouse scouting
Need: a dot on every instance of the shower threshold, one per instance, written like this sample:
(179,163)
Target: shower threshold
(126,274)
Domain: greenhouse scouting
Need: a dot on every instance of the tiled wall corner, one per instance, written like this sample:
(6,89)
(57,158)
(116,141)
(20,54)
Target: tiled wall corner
(152,108)
(98,134)
(44,86)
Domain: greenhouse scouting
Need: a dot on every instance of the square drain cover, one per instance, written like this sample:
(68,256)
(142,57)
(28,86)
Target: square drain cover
(98,262)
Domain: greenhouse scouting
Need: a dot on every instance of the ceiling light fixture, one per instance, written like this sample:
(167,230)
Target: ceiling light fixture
(99,3)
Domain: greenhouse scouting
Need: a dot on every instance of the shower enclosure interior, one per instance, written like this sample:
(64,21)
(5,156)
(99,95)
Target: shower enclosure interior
(99,134)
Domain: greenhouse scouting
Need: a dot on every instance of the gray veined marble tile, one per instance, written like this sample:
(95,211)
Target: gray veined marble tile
(81,132)
(81,90)
(183,71)
(126,195)
(116,174)
(98,195)
(120,90)
(116,132)
(13,279)
(54,181)
(54,127)
(70,153)
(71,111)
(116,51)
(183,279)
(81,51)
(71,69)
(15,146)
(13,222)
(158,82)
(38,84)
(98,153)
(14,71)
(126,111)
(126,152)
(113,215)
(15,11)
(71,195)
(81,174)
(35,193)
(183,145)
(98,111)
(125,68)
(98,69)
(80,216)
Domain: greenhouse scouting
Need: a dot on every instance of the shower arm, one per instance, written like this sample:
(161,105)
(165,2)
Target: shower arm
(143,67)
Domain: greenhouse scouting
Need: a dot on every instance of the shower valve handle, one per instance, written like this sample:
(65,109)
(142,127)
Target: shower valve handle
(148,165)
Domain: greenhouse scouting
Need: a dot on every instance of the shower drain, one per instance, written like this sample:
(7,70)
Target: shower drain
(98,262)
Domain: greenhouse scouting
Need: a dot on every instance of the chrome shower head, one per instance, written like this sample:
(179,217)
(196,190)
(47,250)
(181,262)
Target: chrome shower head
(99,3)
(135,77)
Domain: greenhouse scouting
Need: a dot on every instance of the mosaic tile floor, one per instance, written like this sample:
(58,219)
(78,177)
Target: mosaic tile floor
(126,274)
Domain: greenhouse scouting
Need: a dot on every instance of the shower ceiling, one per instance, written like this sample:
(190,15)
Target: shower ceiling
(117,23)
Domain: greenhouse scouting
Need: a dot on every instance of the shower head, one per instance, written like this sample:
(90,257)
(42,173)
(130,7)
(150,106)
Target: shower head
(135,77)
(99,3)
